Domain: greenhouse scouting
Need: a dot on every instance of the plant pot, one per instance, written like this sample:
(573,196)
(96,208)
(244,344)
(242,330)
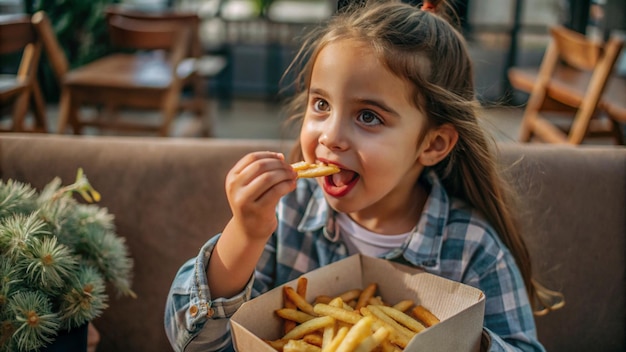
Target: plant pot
(73,340)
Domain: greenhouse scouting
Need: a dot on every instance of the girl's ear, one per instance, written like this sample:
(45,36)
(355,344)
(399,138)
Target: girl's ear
(438,144)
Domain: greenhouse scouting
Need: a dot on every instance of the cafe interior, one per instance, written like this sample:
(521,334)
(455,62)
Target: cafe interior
(156,100)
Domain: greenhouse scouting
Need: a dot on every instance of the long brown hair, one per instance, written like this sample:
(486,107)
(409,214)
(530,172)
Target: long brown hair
(426,50)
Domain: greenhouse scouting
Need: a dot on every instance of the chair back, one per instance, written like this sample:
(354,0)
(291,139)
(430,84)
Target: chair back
(576,49)
(571,80)
(163,17)
(54,52)
(16,34)
(128,33)
(19,86)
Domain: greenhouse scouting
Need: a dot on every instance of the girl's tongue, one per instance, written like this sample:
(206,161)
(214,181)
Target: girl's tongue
(343,178)
(340,184)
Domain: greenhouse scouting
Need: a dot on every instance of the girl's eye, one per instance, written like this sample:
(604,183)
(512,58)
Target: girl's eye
(321,105)
(369,118)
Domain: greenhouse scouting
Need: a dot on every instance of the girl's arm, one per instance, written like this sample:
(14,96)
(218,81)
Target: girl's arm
(253,188)
(508,315)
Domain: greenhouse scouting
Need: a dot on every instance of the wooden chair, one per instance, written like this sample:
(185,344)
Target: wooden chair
(150,79)
(576,80)
(202,66)
(21,90)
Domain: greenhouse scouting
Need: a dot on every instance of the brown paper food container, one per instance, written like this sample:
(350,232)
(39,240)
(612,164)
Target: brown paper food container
(459,307)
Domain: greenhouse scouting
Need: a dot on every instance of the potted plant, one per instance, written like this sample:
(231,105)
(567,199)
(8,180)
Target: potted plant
(57,255)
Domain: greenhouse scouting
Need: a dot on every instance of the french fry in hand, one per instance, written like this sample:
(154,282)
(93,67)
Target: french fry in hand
(307,170)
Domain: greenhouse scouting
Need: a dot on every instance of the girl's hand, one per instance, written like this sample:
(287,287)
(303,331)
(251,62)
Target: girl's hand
(253,188)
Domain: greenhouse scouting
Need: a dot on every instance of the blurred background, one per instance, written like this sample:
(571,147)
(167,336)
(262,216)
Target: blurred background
(258,38)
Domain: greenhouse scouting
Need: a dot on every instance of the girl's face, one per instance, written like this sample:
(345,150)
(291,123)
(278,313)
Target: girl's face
(360,118)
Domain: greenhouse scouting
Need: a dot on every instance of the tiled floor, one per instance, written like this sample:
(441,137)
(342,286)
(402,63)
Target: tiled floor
(248,118)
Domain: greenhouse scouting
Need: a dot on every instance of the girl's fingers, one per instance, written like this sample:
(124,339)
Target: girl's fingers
(256,174)
(251,158)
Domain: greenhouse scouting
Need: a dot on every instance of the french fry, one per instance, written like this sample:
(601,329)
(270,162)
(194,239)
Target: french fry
(377,311)
(403,306)
(299,301)
(328,335)
(278,345)
(322,299)
(335,326)
(313,339)
(424,315)
(337,313)
(293,315)
(341,334)
(365,296)
(350,295)
(306,170)
(396,336)
(359,331)
(339,303)
(403,319)
(288,324)
(387,346)
(301,286)
(309,327)
(373,341)
(300,346)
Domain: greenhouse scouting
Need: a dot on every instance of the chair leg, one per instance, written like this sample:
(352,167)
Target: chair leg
(20,108)
(39,109)
(170,109)
(526,128)
(68,112)
(618,135)
(64,111)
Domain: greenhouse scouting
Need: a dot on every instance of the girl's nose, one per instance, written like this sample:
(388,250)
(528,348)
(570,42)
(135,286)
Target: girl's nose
(334,133)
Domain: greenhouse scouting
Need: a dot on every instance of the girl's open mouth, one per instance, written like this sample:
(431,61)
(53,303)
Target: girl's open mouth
(341,183)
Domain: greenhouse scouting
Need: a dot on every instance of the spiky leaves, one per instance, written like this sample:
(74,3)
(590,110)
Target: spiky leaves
(34,321)
(48,265)
(85,298)
(16,198)
(18,231)
(56,256)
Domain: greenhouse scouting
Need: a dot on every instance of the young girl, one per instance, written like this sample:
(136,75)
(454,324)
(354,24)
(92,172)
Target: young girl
(387,96)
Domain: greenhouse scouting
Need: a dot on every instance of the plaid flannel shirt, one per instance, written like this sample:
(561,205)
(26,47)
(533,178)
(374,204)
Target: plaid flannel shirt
(451,240)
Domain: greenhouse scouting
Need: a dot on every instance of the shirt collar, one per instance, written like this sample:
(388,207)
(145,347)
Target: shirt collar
(421,249)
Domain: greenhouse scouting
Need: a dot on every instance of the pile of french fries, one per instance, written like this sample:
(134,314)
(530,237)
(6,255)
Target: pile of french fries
(356,320)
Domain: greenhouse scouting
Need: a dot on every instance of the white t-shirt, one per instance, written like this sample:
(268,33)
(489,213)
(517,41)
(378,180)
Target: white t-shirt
(361,240)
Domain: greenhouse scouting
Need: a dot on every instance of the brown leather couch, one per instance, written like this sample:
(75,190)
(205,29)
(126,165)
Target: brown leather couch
(168,198)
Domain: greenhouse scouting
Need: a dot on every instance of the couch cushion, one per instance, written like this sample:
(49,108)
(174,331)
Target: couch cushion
(168,198)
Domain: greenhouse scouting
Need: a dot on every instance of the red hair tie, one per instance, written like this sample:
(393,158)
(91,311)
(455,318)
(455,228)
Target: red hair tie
(428,6)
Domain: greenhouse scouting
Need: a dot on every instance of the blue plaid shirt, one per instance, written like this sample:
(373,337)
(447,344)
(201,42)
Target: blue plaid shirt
(452,240)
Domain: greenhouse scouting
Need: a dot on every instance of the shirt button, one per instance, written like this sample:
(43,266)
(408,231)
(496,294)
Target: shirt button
(210,312)
(193,310)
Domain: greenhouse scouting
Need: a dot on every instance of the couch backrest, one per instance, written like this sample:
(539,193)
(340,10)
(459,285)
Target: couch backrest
(168,198)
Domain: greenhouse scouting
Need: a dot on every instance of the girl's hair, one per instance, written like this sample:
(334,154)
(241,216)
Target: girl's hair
(425,49)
